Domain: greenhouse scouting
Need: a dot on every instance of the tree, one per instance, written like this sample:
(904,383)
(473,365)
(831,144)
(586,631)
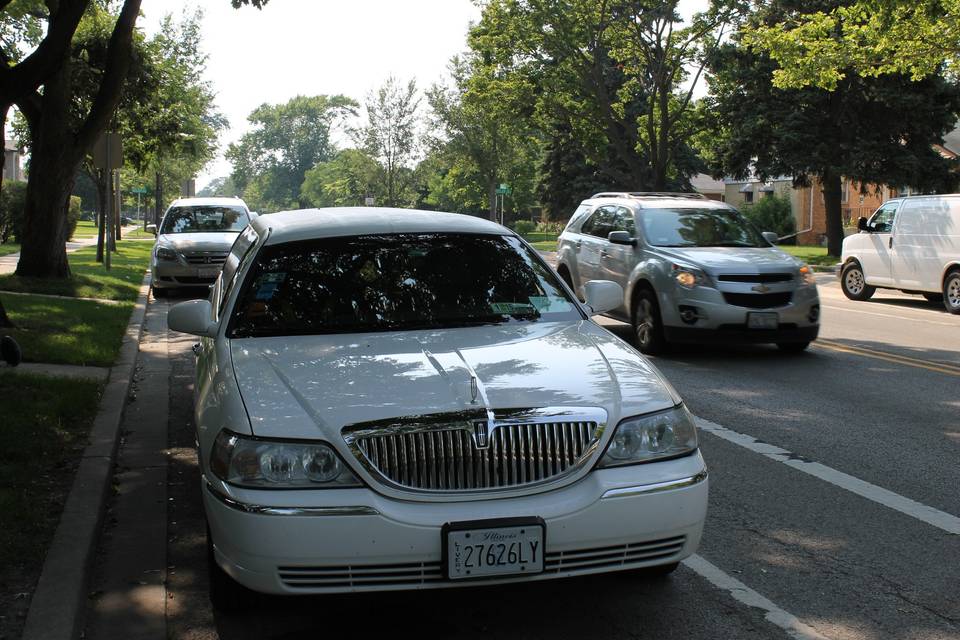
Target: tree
(344,181)
(610,72)
(390,135)
(868,37)
(286,141)
(870,130)
(478,136)
(61,135)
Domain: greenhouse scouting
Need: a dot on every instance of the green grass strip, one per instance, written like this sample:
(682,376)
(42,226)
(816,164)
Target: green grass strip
(64,331)
(89,278)
(46,422)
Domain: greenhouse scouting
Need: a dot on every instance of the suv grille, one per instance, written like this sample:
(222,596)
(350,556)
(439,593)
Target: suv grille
(759,300)
(474,455)
(757,277)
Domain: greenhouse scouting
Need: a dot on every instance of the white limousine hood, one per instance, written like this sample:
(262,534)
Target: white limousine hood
(313,386)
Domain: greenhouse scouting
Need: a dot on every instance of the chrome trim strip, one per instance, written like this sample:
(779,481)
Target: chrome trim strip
(627,492)
(289,511)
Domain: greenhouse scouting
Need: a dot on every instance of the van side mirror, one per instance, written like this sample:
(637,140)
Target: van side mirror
(771,237)
(862,224)
(621,237)
(152,228)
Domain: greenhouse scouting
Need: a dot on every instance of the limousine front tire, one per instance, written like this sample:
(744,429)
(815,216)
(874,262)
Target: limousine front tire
(854,283)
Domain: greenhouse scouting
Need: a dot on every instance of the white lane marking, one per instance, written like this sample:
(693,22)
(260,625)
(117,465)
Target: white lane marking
(890,315)
(934,517)
(741,592)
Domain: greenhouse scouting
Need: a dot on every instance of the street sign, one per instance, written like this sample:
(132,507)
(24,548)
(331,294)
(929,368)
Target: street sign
(107,150)
(504,190)
(369,201)
(139,190)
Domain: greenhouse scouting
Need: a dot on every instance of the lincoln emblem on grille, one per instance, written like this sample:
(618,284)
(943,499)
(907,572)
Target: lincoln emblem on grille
(481,435)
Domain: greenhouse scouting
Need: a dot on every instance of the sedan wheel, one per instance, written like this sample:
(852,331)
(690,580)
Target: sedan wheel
(854,284)
(951,292)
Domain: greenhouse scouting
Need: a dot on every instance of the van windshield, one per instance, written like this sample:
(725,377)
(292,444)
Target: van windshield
(204,219)
(699,228)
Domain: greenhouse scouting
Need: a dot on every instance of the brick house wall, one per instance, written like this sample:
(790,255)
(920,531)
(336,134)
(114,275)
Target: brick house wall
(853,203)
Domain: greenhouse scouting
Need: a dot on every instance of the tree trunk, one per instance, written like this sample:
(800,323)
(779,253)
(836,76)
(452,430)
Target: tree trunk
(831,183)
(4,319)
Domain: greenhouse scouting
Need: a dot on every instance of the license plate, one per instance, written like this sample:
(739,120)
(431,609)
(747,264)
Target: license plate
(477,551)
(208,272)
(762,321)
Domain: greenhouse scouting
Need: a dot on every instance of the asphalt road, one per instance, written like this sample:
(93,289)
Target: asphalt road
(835,496)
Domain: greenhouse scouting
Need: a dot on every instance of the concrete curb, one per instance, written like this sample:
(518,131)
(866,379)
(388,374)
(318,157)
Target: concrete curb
(60,599)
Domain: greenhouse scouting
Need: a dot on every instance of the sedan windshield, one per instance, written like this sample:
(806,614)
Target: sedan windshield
(396,282)
(699,228)
(206,218)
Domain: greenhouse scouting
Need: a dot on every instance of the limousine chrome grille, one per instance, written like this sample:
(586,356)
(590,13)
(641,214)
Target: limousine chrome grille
(471,452)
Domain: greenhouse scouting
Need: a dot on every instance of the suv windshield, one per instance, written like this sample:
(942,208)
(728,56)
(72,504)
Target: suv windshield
(204,218)
(396,282)
(699,228)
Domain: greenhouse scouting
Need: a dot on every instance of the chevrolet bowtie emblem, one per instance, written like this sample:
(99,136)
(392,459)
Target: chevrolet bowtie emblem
(760,288)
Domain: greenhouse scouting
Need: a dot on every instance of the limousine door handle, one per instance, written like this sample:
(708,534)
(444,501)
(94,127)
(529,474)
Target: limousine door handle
(890,243)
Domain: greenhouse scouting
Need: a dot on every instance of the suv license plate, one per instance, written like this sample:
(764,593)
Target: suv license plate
(493,551)
(208,272)
(762,321)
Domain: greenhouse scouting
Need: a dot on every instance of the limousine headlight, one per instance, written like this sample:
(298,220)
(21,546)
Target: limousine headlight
(664,434)
(807,276)
(270,464)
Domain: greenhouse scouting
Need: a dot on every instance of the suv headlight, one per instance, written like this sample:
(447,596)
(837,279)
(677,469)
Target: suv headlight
(806,275)
(272,464)
(166,253)
(690,277)
(654,436)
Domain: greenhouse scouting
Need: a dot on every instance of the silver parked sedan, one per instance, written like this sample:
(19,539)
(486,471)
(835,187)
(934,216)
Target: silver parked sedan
(693,270)
(194,239)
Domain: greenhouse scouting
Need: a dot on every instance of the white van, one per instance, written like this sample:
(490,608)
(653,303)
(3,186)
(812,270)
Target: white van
(911,244)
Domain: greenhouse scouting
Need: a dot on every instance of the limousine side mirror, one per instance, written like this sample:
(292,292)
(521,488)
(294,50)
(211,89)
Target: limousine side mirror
(601,295)
(770,237)
(193,317)
(621,237)
(862,224)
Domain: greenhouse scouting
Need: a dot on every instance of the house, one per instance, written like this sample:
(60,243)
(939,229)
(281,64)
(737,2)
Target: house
(12,170)
(710,188)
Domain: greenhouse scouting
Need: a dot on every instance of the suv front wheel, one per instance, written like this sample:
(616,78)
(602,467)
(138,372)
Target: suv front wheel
(647,325)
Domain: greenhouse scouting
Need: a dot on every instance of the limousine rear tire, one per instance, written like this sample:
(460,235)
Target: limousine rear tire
(854,284)
(951,291)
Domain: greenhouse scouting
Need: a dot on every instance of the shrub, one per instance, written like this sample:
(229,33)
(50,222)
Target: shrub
(12,203)
(772,213)
(73,216)
(546,226)
(523,227)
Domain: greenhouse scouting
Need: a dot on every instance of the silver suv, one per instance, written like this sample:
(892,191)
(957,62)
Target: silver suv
(693,270)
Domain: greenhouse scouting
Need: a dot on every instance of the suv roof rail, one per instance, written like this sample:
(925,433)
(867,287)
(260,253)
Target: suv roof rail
(648,194)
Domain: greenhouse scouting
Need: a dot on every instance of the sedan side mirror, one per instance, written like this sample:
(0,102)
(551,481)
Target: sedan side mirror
(253,214)
(601,295)
(771,237)
(621,237)
(193,317)
(152,228)
(862,224)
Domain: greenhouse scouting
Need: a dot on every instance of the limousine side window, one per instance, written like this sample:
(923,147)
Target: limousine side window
(882,220)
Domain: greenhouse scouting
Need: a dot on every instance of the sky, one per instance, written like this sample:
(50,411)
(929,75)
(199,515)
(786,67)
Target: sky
(312,47)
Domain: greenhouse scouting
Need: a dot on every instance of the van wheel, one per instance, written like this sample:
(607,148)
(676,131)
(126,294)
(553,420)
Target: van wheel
(647,324)
(933,297)
(226,594)
(951,291)
(854,284)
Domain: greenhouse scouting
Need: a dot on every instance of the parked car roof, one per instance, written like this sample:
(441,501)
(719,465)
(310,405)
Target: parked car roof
(305,224)
(210,201)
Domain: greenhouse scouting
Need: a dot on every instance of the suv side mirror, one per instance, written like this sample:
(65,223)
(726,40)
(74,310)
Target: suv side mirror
(152,228)
(770,237)
(621,237)
(862,224)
